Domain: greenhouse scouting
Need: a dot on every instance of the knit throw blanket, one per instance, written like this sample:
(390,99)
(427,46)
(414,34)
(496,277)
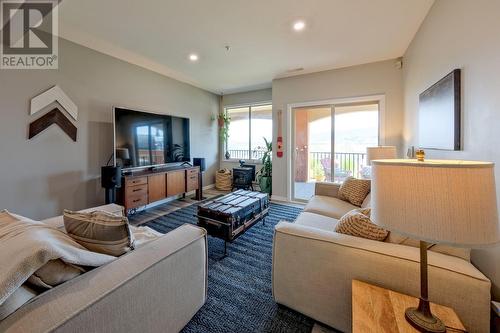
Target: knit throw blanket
(27,245)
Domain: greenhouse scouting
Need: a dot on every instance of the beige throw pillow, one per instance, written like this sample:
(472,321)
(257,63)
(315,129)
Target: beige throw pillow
(354,190)
(357,223)
(54,273)
(100,231)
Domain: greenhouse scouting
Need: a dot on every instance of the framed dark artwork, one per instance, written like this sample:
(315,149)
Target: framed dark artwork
(439,114)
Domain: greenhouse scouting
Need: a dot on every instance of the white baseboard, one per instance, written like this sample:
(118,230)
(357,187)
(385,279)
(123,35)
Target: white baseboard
(208,187)
(278,198)
(157,203)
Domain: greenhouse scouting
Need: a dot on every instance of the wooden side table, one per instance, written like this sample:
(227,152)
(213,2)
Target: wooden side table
(375,309)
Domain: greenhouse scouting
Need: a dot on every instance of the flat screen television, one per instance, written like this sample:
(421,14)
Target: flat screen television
(144,139)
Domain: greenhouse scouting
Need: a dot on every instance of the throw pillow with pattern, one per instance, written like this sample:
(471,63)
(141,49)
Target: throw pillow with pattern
(357,223)
(354,190)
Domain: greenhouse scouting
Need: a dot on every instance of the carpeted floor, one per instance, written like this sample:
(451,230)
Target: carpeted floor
(239,285)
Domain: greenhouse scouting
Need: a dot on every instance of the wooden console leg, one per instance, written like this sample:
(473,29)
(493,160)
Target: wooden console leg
(199,191)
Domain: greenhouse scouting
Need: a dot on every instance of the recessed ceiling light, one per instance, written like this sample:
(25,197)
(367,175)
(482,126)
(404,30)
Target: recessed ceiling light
(299,25)
(193,57)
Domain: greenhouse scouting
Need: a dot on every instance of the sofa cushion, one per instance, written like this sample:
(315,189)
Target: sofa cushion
(54,273)
(367,203)
(100,231)
(316,221)
(463,253)
(354,190)
(328,206)
(327,189)
(357,223)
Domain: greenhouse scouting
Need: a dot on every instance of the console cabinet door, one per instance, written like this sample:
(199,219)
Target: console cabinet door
(157,187)
(176,182)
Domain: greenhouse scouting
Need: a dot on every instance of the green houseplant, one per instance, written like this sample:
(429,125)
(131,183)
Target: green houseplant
(223,120)
(265,174)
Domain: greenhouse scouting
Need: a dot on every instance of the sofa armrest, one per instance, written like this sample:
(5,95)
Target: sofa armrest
(155,288)
(313,270)
(327,189)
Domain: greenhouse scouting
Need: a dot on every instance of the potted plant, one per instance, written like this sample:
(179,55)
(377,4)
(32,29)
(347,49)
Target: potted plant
(265,174)
(223,120)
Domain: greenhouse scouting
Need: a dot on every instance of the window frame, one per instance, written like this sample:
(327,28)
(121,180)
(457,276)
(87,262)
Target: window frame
(149,125)
(249,106)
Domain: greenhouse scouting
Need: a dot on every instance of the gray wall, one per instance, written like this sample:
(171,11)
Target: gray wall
(41,177)
(461,34)
(363,80)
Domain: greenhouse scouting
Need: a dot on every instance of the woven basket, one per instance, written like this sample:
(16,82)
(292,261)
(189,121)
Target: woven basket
(223,180)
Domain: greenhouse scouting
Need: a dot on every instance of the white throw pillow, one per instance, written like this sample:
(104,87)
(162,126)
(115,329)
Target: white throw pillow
(144,235)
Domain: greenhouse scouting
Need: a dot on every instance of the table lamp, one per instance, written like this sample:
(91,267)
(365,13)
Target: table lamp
(377,153)
(380,153)
(123,154)
(435,201)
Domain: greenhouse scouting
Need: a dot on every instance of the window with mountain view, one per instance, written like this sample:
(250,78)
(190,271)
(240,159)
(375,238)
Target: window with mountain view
(248,127)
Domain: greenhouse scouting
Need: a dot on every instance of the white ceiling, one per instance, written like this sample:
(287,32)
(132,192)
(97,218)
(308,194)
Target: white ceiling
(160,34)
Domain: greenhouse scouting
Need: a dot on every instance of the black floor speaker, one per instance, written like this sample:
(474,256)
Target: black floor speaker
(111,178)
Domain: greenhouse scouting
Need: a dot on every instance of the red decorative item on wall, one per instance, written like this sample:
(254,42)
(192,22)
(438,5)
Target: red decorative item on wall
(279,141)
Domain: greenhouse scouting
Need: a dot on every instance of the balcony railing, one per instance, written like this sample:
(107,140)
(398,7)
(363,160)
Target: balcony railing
(243,154)
(320,163)
(345,165)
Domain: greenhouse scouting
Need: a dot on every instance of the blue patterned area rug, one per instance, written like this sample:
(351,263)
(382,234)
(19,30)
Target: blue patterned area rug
(239,285)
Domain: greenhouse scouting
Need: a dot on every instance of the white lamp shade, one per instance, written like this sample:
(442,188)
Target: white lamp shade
(451,202)
(380,153)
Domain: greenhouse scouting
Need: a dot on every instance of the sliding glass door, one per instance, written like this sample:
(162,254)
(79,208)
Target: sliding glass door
(330,144)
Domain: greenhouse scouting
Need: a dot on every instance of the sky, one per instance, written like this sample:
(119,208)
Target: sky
(354,131)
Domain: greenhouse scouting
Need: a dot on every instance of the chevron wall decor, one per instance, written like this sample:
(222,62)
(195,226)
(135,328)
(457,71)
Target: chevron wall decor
(54,94)
(53,117)
(56,116)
